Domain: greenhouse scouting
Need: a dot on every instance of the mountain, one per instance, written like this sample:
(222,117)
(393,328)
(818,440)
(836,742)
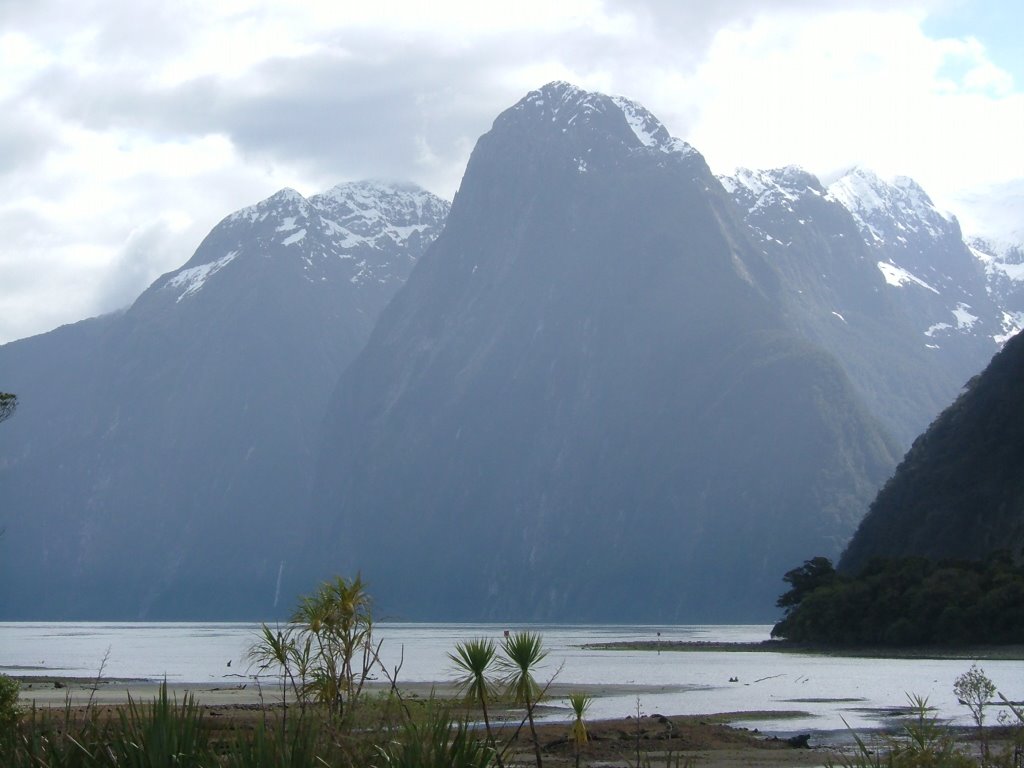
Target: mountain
(959,491)
(1003,262)
(922,252)
(160,457)
(838,293)
(586,403)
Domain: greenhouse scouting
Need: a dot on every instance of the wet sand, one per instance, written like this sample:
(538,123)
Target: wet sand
(53,691)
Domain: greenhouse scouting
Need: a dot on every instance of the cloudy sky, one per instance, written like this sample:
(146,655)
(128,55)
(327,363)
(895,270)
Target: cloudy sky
(130,128)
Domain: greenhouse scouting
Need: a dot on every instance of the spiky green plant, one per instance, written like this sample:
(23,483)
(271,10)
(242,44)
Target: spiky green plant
(338,624)
(438,742)
(161,734)
(580,703)
(474,661)
(303,744)
(276,648)
(523,653)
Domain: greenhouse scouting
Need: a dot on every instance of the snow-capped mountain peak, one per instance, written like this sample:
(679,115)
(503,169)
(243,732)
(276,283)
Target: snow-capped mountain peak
(567,107)
(922,250)
(1003,262)
(887,210)
(760,189)
(372,209)
(284,200)
(993,249)
(362,232)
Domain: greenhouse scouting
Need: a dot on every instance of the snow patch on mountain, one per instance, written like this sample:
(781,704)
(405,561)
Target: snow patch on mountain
(643,124)
(964,319)
(194,278)
(897,276)
(932,330)
(295,238)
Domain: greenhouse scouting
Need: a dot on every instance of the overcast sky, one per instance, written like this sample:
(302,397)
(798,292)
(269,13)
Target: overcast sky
(129,129)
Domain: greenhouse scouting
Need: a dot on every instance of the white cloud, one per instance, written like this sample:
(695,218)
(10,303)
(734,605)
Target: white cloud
(856,87)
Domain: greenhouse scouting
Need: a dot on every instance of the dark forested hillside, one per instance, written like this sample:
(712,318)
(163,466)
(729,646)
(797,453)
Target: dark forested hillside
(959,492)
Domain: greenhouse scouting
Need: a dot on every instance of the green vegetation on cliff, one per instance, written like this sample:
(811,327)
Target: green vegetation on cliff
(905,601)
(8,403)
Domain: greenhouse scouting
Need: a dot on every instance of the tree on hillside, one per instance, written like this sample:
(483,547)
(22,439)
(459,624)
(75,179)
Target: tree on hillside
(8,403)
(812,574)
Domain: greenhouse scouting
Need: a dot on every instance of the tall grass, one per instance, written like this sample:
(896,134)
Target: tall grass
(160,734)
(925,742)
(437,742)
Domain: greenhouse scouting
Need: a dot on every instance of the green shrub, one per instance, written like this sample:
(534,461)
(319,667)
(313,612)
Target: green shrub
(9,710)
(924,743)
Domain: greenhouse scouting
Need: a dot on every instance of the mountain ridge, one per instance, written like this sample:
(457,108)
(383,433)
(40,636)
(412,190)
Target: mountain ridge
(635,391)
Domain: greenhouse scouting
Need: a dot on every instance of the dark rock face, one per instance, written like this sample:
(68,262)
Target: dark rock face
(959,491)
(159,461)
(585,403)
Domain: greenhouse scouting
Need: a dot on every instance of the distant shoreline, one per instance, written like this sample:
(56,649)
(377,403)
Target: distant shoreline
(988,652)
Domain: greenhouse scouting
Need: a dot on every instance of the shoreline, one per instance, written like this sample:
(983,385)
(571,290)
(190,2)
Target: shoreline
(968,653)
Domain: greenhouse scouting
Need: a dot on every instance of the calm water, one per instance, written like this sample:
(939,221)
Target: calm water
(864,692)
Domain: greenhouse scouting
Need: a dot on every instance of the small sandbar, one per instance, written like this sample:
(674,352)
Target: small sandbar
(998,652)
(54,690)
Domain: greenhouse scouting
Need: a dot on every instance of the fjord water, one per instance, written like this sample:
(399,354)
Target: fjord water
(866,693)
